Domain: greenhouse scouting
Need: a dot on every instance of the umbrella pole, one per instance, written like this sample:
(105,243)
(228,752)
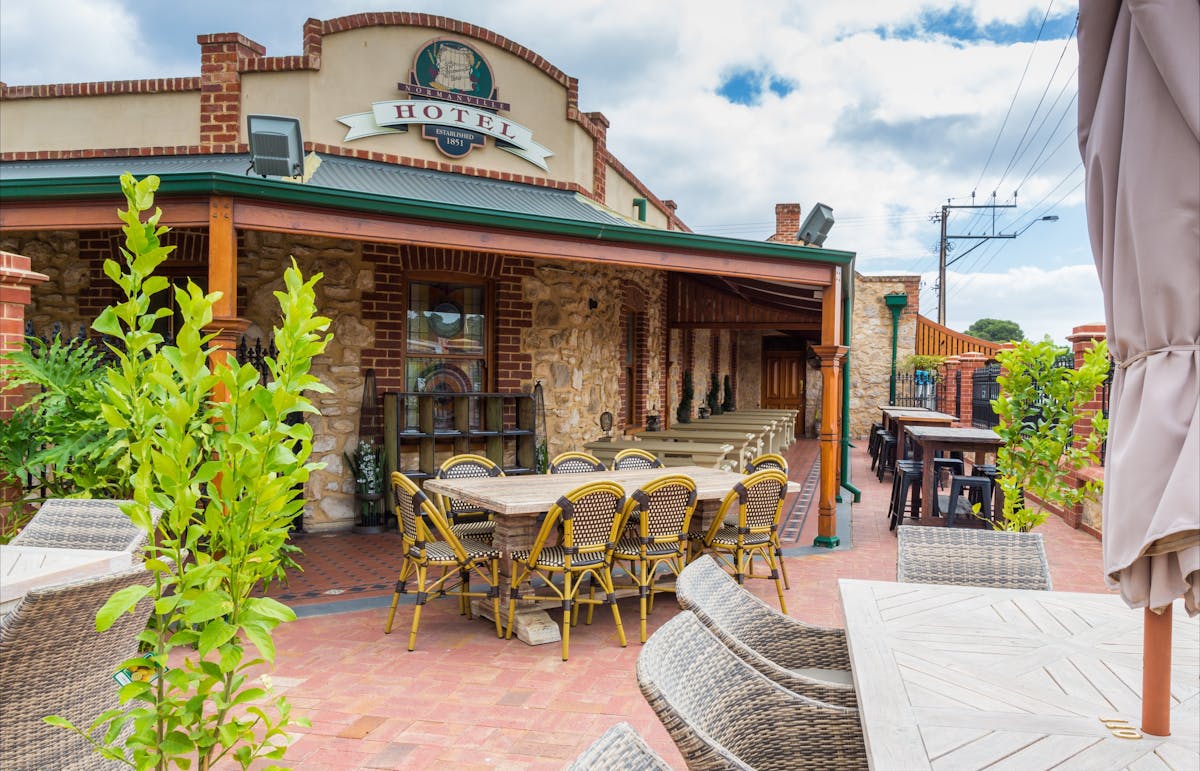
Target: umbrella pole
(1156,672)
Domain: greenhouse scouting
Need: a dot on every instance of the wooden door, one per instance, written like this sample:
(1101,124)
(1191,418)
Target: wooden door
(783,383)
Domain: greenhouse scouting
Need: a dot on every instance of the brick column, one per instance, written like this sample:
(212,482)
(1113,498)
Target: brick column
(1083,339)
(15,281)
(223,58)
(949,399)
(967,364)
(16,278)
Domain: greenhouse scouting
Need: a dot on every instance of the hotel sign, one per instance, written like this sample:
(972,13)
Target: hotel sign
(453,99)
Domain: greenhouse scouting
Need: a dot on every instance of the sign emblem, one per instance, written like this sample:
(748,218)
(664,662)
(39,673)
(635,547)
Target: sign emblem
(453,97)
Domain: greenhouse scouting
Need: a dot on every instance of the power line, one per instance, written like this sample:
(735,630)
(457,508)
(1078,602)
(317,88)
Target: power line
(1014,96)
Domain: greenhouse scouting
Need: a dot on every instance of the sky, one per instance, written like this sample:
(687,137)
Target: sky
(884,110)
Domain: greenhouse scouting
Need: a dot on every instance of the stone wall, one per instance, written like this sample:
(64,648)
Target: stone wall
(578,351)
(261,261)
(748,376)
(813,388)
(871,343)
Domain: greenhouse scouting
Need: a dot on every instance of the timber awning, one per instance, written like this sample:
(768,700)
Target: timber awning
(364,200)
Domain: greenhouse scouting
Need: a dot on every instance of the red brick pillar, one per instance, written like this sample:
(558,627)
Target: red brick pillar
(949,400)
(223,58)
(967,364)
(15,281)
(1083,339)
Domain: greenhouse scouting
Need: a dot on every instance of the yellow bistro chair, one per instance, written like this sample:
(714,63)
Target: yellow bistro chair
(659,513)
(776,461)
(576,463)
(635,458)
(438,547)
(467,519)
(754,505)
(590,521)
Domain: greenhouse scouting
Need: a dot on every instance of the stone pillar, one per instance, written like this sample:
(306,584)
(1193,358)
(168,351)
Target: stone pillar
(967,364)
(16,278)
(831,363)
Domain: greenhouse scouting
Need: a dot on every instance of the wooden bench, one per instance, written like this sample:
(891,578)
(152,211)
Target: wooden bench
(746,444)
(671,453)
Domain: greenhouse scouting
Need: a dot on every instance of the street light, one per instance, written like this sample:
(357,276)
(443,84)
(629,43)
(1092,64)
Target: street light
(943,263)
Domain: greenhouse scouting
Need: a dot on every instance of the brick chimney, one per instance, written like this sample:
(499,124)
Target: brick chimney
(787,223)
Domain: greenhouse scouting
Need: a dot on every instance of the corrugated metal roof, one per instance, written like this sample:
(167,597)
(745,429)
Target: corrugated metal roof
(349,174)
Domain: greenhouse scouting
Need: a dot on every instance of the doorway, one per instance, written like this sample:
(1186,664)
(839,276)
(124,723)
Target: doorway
(783,382)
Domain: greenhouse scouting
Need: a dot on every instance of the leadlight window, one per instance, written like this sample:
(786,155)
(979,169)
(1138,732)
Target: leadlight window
(446,347)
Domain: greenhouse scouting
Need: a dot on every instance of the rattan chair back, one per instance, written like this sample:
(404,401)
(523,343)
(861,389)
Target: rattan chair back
(575,462)
(465,466)
(635,458)
(663,509)
(54,662)
(83,523)
(810,660)
(722,713)
(620,747)
(590,520)
(755,503)
(767,460)
(953,555)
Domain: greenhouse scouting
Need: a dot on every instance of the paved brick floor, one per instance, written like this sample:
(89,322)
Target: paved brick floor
(468,699)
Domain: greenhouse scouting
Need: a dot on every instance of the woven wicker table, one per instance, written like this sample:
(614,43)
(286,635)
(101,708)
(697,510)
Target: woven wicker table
(969,677)
(23,568)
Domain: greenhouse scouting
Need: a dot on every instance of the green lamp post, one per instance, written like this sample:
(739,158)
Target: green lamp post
(895,303)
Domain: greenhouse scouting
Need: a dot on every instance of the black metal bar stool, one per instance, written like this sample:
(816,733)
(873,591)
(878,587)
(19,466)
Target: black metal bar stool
(979,491)
(887,455)
(906,493)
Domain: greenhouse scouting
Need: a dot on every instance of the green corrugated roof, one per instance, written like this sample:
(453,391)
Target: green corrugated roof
(382,188)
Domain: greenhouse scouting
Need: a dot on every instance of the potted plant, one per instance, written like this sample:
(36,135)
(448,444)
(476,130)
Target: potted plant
(684,413)
(714,395)
(367,466)
(727,404)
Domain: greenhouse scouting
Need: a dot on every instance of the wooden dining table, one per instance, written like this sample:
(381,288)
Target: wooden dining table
(517,501)
(896,419)
(957,677)
(935,439)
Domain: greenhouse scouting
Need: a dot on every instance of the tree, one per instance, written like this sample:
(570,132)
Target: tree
(996,330)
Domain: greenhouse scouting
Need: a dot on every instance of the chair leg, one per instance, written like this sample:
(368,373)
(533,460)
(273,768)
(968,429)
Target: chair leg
(782,566)
(464,587)
(776,575)
(401,580)
(495,592)
(422,574)
(567,612)
(606,578)
(643,589)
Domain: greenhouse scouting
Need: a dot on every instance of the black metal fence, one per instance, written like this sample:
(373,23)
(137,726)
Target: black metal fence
(918,389)
(984,388)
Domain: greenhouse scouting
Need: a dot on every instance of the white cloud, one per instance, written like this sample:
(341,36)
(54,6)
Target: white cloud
(881,128)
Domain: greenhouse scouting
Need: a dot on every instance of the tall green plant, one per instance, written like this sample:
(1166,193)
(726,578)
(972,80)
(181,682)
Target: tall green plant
(57,437)
(224,474)
(713,398)
(684,413)
(1039,406)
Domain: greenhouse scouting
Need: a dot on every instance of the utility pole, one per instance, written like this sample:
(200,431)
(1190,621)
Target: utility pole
(944,242)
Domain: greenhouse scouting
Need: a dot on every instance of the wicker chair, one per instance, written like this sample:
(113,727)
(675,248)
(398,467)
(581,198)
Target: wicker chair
(467,519)
(83,523)
(54,662)
(813,661)
(438,548)
(590,519)
(660,511)
(635,458)
(776,461)
(723,714)
(755,504)
(995,558)
(576,463)
(767,460)
(620,747)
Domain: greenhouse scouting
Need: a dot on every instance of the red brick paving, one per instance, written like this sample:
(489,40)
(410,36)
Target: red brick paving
(466,698)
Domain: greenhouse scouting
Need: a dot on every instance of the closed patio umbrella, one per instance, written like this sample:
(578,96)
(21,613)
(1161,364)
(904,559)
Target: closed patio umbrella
(1139,135)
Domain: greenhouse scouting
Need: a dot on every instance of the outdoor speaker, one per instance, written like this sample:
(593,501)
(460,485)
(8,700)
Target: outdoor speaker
(816,225)
(276,148)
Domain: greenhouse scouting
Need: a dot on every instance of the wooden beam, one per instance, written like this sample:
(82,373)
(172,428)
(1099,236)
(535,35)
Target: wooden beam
(831,309)
(831,398)
(222,256)
(94,214)
(257,215)
(795,326)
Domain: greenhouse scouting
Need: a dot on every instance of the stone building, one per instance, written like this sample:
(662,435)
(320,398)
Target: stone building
(474,231)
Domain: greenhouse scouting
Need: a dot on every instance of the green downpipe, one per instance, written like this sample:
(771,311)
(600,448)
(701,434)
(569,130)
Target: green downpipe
(895,303)
(847,307)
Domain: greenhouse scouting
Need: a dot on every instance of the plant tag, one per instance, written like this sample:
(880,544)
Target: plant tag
(143,673)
